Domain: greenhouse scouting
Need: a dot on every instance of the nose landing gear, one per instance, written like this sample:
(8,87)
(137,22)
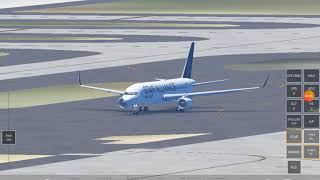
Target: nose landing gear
(137,109)
(179,109)
(145,108)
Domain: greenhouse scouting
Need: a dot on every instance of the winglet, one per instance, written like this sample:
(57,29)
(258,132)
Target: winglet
(265,83)
(79,78)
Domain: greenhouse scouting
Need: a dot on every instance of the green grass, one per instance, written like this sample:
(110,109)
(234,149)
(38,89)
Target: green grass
(111,24)
(56,94)
(288,7)
(4,54)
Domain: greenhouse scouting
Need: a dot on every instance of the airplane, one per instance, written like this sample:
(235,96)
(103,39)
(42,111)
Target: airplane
(139,95)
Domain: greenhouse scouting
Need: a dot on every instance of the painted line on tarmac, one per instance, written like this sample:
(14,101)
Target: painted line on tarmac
(158,55)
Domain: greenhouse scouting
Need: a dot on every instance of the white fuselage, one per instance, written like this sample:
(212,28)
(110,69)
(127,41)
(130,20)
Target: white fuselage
(152,92)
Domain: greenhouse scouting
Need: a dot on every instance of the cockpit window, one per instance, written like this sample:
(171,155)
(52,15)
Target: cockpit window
(130,93)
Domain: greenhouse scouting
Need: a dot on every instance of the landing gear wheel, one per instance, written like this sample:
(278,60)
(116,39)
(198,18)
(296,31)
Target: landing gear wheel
(135,112)
(141,108)
(136,109)
(145,108)
(179,109)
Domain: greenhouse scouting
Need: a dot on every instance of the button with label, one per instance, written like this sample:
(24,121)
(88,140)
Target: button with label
(311,121)
(313,88)
(311,151)
(294,121)
(294,152)
(311,136)
(311,107)
(311,75)
(294,136)
(294,75)
(293,105)
(293,90)
(8,137)
(294,167)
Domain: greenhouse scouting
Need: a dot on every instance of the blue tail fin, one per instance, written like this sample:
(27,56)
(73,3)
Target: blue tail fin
(188,65)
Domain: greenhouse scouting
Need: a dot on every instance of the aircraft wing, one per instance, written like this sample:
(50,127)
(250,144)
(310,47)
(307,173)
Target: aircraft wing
(99,88)
(209,82)
(206,93)
(103,89)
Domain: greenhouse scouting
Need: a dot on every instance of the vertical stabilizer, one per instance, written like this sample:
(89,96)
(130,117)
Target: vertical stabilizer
(188,65)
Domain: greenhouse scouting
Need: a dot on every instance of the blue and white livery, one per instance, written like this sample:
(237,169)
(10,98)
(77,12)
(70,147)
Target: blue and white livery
(138,96)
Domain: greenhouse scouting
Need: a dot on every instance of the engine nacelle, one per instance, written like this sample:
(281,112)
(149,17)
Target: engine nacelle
(122,103)
(184,103)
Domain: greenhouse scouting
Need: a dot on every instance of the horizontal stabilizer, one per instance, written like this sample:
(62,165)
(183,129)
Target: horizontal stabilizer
(159,79)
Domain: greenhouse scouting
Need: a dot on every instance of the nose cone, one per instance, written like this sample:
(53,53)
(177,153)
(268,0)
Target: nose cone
(122,102)
(127,101)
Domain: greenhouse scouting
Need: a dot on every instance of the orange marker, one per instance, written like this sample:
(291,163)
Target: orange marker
(308,95)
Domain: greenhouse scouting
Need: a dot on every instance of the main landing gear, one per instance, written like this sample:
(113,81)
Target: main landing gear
(179,109)
(137,109)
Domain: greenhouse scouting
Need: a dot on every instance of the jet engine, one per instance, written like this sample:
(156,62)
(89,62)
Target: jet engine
(122,103)
(184,103)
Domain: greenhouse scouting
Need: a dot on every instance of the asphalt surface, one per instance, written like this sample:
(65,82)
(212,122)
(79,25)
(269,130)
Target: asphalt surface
(71,127)
(124,38)
(165,69)
(26,56)
(242,25)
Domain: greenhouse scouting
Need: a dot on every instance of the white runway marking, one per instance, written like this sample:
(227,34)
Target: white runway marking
(23,3)
(64,17)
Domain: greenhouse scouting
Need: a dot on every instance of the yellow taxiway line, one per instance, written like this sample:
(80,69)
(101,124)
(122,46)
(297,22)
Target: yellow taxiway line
(140,139)
(5,158)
